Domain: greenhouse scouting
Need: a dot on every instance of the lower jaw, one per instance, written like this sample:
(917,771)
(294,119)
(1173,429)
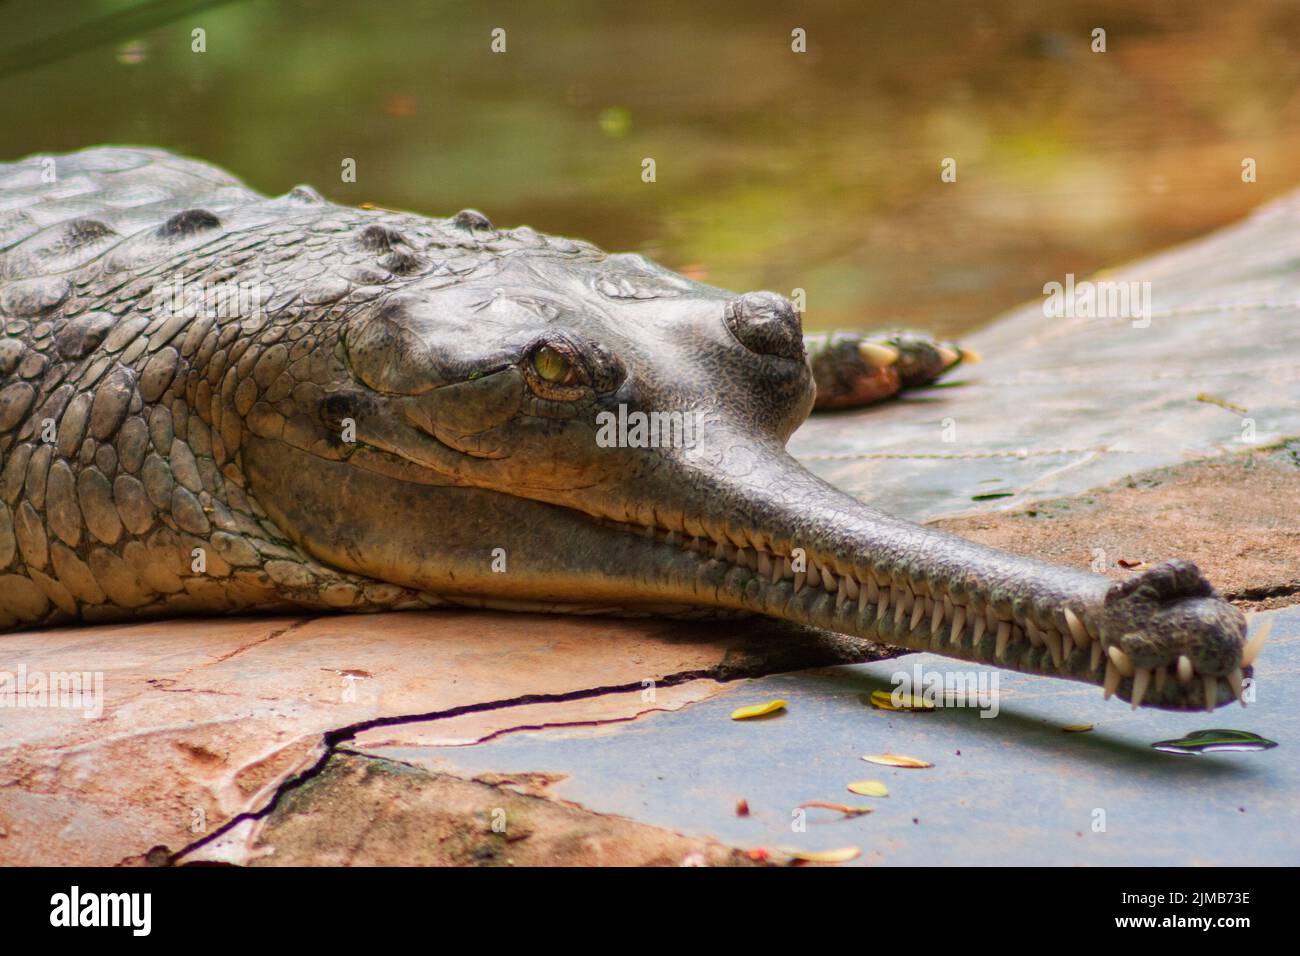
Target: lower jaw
(965,632)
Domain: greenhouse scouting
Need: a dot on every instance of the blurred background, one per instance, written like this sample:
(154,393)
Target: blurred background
(774,169)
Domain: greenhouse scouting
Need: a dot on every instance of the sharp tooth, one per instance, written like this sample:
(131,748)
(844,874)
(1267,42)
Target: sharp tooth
(787,569)
(884,602)
(841,595)
(902,604)
(958,624)
(1004,635)
(1251,650)
(1234,681)
(1066,644)
(918,612)
(1140,679)
(1096,656)
(864,599)
(1035,636)
(873,590)
(1077,630)
(778,570)
(979,631)
(1111,684)
(814,578)
(1162,675)
(673,538)
(830,582)
(850,584)
(649,531)
(1185,669)
(799,581)
(1121,660)
(1211,684)
(720,551)
(936,618)
(764,564)
(746,558)
(1053,642)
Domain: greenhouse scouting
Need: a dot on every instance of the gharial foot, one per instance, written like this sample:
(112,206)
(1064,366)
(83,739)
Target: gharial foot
(859,368)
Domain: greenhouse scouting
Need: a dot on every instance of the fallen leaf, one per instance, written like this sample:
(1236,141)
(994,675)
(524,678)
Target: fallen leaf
(884,700)
(868,788)
(840,807)
(1077,728)
(841,855)
(757,710)
(1125,563)
(897,760)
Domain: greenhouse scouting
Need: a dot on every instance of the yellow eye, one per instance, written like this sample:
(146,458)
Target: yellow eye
(553,367)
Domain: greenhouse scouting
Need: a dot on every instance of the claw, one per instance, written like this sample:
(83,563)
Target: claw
(881,356)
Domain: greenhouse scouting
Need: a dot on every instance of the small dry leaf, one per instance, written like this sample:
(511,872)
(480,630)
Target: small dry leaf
(868,788)
(884,700)
(897,760)
(1077,728)
(839,807)
(841,855)
(757,710)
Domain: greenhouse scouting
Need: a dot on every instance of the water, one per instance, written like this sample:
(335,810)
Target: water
(774,170)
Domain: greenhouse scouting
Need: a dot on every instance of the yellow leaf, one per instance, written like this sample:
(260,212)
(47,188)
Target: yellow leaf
(884,700)
(868,788)
(842,855)
(1077,728)
(896,760)
(758,710)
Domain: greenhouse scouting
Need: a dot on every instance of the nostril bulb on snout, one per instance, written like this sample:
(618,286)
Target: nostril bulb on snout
(767,324)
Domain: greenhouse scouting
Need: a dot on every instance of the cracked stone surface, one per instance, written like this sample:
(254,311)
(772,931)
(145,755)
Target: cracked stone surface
(205,722)
(364,811)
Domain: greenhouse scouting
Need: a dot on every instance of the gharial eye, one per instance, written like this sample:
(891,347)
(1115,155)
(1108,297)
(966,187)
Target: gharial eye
(555,367)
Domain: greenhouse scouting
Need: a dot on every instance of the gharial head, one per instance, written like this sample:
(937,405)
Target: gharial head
(550,426)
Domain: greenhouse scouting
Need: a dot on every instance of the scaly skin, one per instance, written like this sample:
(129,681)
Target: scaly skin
(401,403)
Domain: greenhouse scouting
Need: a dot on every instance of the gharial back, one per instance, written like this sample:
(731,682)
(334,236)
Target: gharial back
(153,309)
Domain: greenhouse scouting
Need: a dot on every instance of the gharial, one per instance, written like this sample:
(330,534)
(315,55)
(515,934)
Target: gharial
(215,401)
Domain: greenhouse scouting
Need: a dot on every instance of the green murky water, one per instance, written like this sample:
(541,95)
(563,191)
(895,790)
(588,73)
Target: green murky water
(774,169)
